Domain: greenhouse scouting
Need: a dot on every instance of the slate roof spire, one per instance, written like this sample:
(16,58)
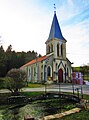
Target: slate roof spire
(55,31)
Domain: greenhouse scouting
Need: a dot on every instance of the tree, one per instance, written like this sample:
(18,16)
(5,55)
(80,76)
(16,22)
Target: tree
(21,58)
(2,62)
(10,59)
(15,80)
(9,49)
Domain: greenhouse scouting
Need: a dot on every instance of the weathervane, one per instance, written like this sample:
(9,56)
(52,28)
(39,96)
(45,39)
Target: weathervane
(54,8)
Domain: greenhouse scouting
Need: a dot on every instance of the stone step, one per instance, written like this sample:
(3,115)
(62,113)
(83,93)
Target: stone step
(49,117)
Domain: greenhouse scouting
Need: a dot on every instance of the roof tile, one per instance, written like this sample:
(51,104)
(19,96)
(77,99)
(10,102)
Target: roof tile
(35,60)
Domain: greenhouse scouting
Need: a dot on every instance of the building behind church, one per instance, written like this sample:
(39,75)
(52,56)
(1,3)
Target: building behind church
(54,65)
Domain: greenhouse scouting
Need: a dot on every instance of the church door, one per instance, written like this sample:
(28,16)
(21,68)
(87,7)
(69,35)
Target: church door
(60,75)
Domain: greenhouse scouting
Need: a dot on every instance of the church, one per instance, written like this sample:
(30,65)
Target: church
(54,66)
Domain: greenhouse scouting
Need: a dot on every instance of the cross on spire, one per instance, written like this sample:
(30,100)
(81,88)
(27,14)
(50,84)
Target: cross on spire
(54,8)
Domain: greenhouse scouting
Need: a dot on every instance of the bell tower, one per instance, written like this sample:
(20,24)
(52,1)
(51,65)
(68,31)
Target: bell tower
(56,43)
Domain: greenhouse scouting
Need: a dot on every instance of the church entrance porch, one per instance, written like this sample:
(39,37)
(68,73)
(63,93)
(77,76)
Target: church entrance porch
(60,75)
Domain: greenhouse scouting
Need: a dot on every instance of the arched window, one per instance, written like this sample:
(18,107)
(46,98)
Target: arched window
(57,49)
(49,71)
(29,72)
(45,73)
(34,71)
(48,49)
(61,49)
(51,47)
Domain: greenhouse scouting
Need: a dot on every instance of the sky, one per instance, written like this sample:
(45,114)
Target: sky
(25,24)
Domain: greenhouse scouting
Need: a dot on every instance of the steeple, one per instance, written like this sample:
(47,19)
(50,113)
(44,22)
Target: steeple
(55,31)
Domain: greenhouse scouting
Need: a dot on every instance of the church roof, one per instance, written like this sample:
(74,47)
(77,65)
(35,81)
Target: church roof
(55,31)
(35,60)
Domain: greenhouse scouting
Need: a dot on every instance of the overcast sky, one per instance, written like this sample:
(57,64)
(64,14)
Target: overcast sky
(25,24)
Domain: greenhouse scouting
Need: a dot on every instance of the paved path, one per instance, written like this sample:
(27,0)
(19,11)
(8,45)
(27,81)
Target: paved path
(56,88)
(63,88)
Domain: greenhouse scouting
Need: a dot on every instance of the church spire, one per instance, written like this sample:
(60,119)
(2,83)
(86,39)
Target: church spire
(55,31)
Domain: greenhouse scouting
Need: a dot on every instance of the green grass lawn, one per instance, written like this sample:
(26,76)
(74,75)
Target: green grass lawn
(31,94)
(34,85)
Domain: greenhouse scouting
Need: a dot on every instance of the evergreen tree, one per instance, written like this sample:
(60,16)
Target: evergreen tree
(2,62)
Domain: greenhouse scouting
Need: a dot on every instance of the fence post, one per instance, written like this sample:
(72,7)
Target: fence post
(81,92)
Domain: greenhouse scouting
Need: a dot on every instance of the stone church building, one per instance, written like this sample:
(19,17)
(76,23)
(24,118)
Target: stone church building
(54,65)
